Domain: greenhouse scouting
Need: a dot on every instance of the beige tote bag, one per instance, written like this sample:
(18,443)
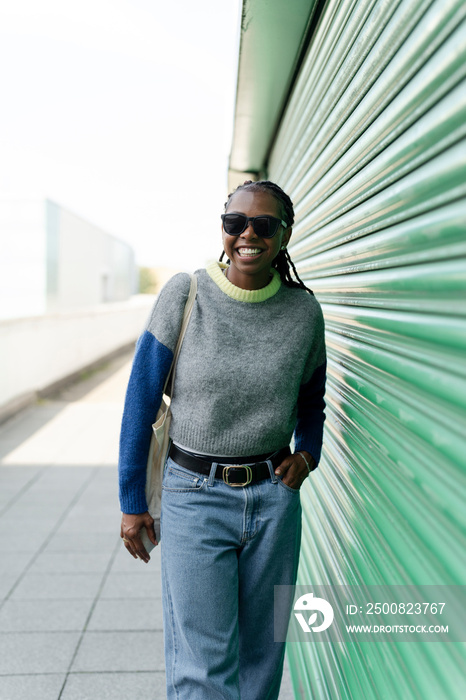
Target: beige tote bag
(160,440)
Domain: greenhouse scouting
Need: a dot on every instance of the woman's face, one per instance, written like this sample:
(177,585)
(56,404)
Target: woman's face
(251,257)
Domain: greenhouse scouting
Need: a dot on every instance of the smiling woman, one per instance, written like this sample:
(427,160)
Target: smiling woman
(266,233)
(250,375)
(251,254)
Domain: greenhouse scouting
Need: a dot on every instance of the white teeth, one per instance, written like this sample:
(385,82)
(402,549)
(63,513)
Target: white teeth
(249,251)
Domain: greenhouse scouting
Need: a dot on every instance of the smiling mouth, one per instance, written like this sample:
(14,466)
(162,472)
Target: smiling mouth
(248,252)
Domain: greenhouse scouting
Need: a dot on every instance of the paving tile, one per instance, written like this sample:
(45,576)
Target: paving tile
(71,562)
(5,500)
(101,501)
(103,509)
(9,493)
(132,586)
(104,477)
(96,514)
(14,563)
(104,489)
(63,490)
(14,480)
(39,502)
(55,479)
(10,490)
(10,474)
(9,525)
(74,522)
(35,687)
(7,582)
(93,686)
(107,475)
(53,476)
(115,686)
(63,493)
(44,615)
(22,541)
(36,511)
(82,542)
(103,497)
(100,508)
(126,615)
(36,652)
(105,480)
(28,516)
(57,586)
(120,651)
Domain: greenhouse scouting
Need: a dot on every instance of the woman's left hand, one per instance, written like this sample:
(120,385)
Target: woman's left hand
(293,469)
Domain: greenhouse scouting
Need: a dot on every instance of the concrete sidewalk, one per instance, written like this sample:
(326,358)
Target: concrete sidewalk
(79,618)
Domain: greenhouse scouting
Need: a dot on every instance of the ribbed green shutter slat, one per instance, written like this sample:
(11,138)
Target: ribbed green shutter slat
(375,410)
(430,665)
(444,390)
(413,359)
(432,236)
(430,27)
(438,76)
(432,134)
(420,287)
(434,338)
(434,184)
(372,150)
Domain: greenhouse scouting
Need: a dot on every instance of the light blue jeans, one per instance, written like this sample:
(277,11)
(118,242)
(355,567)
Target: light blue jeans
(223,550)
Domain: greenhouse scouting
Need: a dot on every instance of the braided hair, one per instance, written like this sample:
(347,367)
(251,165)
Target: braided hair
(282,262)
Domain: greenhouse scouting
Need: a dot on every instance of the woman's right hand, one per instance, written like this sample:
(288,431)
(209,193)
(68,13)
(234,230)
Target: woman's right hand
(131,525)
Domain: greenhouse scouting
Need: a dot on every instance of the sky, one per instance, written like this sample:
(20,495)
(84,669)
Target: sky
(122,112)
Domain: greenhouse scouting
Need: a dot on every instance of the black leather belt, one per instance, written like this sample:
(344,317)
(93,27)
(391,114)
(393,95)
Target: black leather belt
(232,474)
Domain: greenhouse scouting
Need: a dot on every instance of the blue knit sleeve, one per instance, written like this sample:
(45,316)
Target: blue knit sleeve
(310,422)
(151,364)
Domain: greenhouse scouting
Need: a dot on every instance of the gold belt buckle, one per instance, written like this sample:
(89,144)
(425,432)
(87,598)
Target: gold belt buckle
(236,466)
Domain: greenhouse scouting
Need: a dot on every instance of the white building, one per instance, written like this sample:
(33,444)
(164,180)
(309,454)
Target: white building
(52,260)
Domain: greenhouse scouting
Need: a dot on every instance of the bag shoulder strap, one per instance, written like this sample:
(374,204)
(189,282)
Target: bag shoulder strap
(170,381)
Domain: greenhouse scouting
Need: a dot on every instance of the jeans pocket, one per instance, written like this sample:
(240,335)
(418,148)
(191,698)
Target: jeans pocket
(288,488)
(178,478)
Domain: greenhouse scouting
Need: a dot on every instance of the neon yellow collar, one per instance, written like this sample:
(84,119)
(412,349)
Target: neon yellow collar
(215,270)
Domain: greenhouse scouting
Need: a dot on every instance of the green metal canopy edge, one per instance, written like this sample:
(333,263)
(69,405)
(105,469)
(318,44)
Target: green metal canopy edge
(273,34)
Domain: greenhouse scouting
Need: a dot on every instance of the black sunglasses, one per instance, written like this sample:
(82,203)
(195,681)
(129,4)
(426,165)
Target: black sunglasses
(264,226)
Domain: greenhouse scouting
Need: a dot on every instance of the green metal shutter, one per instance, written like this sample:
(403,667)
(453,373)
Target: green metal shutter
(372,150)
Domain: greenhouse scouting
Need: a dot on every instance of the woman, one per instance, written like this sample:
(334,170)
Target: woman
(251,372)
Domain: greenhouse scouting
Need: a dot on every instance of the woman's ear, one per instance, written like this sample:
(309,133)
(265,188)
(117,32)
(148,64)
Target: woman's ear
(287,236)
